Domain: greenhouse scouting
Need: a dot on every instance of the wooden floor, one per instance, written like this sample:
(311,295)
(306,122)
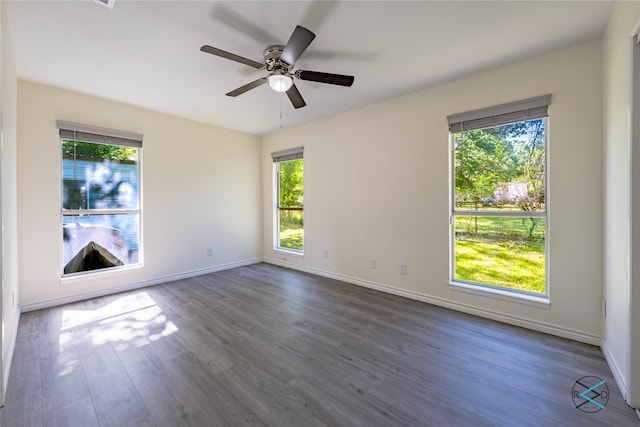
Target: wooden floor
(263,345)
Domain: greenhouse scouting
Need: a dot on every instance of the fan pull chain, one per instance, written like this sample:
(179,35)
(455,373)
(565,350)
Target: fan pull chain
(281,110)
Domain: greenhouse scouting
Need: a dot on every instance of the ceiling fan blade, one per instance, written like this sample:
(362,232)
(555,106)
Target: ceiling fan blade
(242,89)
(239,22)
(297,44)
(294,96)
(232,56)
(333,79)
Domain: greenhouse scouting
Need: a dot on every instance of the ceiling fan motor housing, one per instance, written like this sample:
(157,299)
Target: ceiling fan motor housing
(272,59)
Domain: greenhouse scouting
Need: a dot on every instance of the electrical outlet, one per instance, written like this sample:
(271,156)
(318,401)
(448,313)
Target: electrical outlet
(209,251)
(403,268)
(13,300)
(372,263)
(325,254)
(604,307)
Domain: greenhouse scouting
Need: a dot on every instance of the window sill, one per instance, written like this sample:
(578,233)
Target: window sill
(530,300)
(293,254)
(95,274)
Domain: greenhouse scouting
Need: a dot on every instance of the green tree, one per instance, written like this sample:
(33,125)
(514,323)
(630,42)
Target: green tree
(489,159)
(291,183)
(291,202)
(483,160)
(97,152)
(531,153)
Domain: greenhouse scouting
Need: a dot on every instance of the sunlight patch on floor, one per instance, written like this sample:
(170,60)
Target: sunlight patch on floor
(131,321)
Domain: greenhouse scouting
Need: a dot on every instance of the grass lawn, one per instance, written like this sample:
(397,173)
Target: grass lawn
(291,238)
(291,229)
(501,252)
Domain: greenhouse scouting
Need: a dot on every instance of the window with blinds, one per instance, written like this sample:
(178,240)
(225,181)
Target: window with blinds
(498,215)
(289,199)
(100,206)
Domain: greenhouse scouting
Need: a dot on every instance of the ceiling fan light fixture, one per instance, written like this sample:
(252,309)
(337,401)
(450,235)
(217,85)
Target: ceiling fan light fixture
(280,82)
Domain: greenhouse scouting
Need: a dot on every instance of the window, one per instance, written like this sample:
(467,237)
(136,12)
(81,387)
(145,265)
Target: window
(288,166)
(499,197)
(100,214)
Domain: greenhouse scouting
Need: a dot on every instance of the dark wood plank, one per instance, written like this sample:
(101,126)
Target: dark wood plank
(170,400)
(263,345)
(26,393)
(108,382)
(80,412)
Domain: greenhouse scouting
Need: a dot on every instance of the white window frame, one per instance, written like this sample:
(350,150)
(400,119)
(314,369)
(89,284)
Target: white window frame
(98,135)
(488,116)
(278,157)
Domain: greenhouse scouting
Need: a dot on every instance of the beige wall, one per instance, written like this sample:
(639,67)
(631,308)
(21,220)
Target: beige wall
(376,186)
(9,261)
(617,89)
(201,189)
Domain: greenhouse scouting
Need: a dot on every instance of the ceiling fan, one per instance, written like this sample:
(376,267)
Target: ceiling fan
(279,61)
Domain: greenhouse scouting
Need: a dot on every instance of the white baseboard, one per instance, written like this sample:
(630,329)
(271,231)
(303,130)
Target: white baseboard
(129,287)
(476,311)
(615,369)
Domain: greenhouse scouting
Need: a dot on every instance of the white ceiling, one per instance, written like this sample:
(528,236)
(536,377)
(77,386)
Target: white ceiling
(147,53)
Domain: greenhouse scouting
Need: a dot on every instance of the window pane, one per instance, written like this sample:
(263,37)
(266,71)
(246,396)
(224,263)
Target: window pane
(291,229)
(93,242)
(501,251)
(501,168)
(99,176)
(291,181)
(290,204)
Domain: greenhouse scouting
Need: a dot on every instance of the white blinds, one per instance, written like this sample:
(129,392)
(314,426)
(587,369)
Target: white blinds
(528,109)
(87,133)
(289,154)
